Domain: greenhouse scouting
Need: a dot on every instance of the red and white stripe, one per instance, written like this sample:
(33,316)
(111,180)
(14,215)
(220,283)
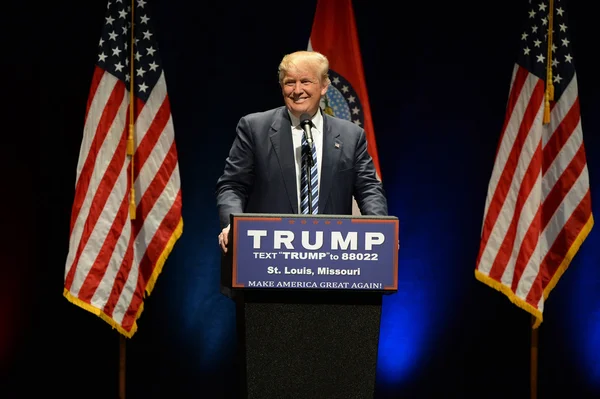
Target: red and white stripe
(538,207)
(114,261)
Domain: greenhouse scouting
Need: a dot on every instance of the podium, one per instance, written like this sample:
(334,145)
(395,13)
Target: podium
(308,292)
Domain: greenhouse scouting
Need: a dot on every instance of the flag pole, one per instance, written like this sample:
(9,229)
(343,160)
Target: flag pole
(130,153)
(130,141)
(549,96)
(122,366)
(534,360)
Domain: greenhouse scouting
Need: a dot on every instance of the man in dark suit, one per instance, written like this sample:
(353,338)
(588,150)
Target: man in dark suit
(264,167)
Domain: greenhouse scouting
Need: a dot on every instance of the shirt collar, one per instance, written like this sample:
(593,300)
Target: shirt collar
(317,120)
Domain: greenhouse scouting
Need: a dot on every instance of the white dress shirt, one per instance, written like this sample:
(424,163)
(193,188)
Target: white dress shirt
(297,133)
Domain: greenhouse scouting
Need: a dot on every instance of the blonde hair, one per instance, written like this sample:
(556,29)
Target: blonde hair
(314,60)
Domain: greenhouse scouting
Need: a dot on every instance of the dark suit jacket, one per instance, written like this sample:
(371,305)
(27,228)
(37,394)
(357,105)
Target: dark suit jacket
(260,171)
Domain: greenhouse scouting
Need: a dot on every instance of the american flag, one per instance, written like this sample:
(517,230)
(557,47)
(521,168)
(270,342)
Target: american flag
(538,207)
(116,252)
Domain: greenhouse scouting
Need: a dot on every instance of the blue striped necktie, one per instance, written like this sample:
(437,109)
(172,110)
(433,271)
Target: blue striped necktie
(314,178)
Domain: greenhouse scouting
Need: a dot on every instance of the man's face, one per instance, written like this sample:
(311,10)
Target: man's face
(302,91)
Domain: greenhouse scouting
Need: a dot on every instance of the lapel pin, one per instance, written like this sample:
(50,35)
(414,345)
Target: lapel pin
(337,145)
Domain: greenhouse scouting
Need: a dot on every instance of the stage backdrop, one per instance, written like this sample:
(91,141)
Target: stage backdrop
(438,76)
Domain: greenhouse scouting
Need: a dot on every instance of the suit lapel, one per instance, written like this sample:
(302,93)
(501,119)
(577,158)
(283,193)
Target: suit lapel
(332,148)
(281,139)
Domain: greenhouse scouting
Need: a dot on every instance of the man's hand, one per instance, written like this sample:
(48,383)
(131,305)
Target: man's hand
(224,238)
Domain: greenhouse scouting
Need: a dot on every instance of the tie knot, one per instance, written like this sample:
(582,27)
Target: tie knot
(304,141)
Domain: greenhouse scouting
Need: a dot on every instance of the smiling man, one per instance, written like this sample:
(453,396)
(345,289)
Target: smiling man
(266,171)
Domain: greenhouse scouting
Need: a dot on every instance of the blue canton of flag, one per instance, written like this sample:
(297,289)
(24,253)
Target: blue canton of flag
(534,45)
(114,55)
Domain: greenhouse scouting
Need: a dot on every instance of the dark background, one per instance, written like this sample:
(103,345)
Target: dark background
(438,76)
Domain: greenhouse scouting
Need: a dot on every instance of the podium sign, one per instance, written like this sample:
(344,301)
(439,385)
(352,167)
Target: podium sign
(322,252)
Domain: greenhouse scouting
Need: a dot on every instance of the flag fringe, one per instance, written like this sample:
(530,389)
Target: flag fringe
(520,302)
(570,255)
(149,287)
(90,308)
(559,272)
(163,258)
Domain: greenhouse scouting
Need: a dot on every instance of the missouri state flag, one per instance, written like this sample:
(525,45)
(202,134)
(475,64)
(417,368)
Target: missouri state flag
(334,35)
